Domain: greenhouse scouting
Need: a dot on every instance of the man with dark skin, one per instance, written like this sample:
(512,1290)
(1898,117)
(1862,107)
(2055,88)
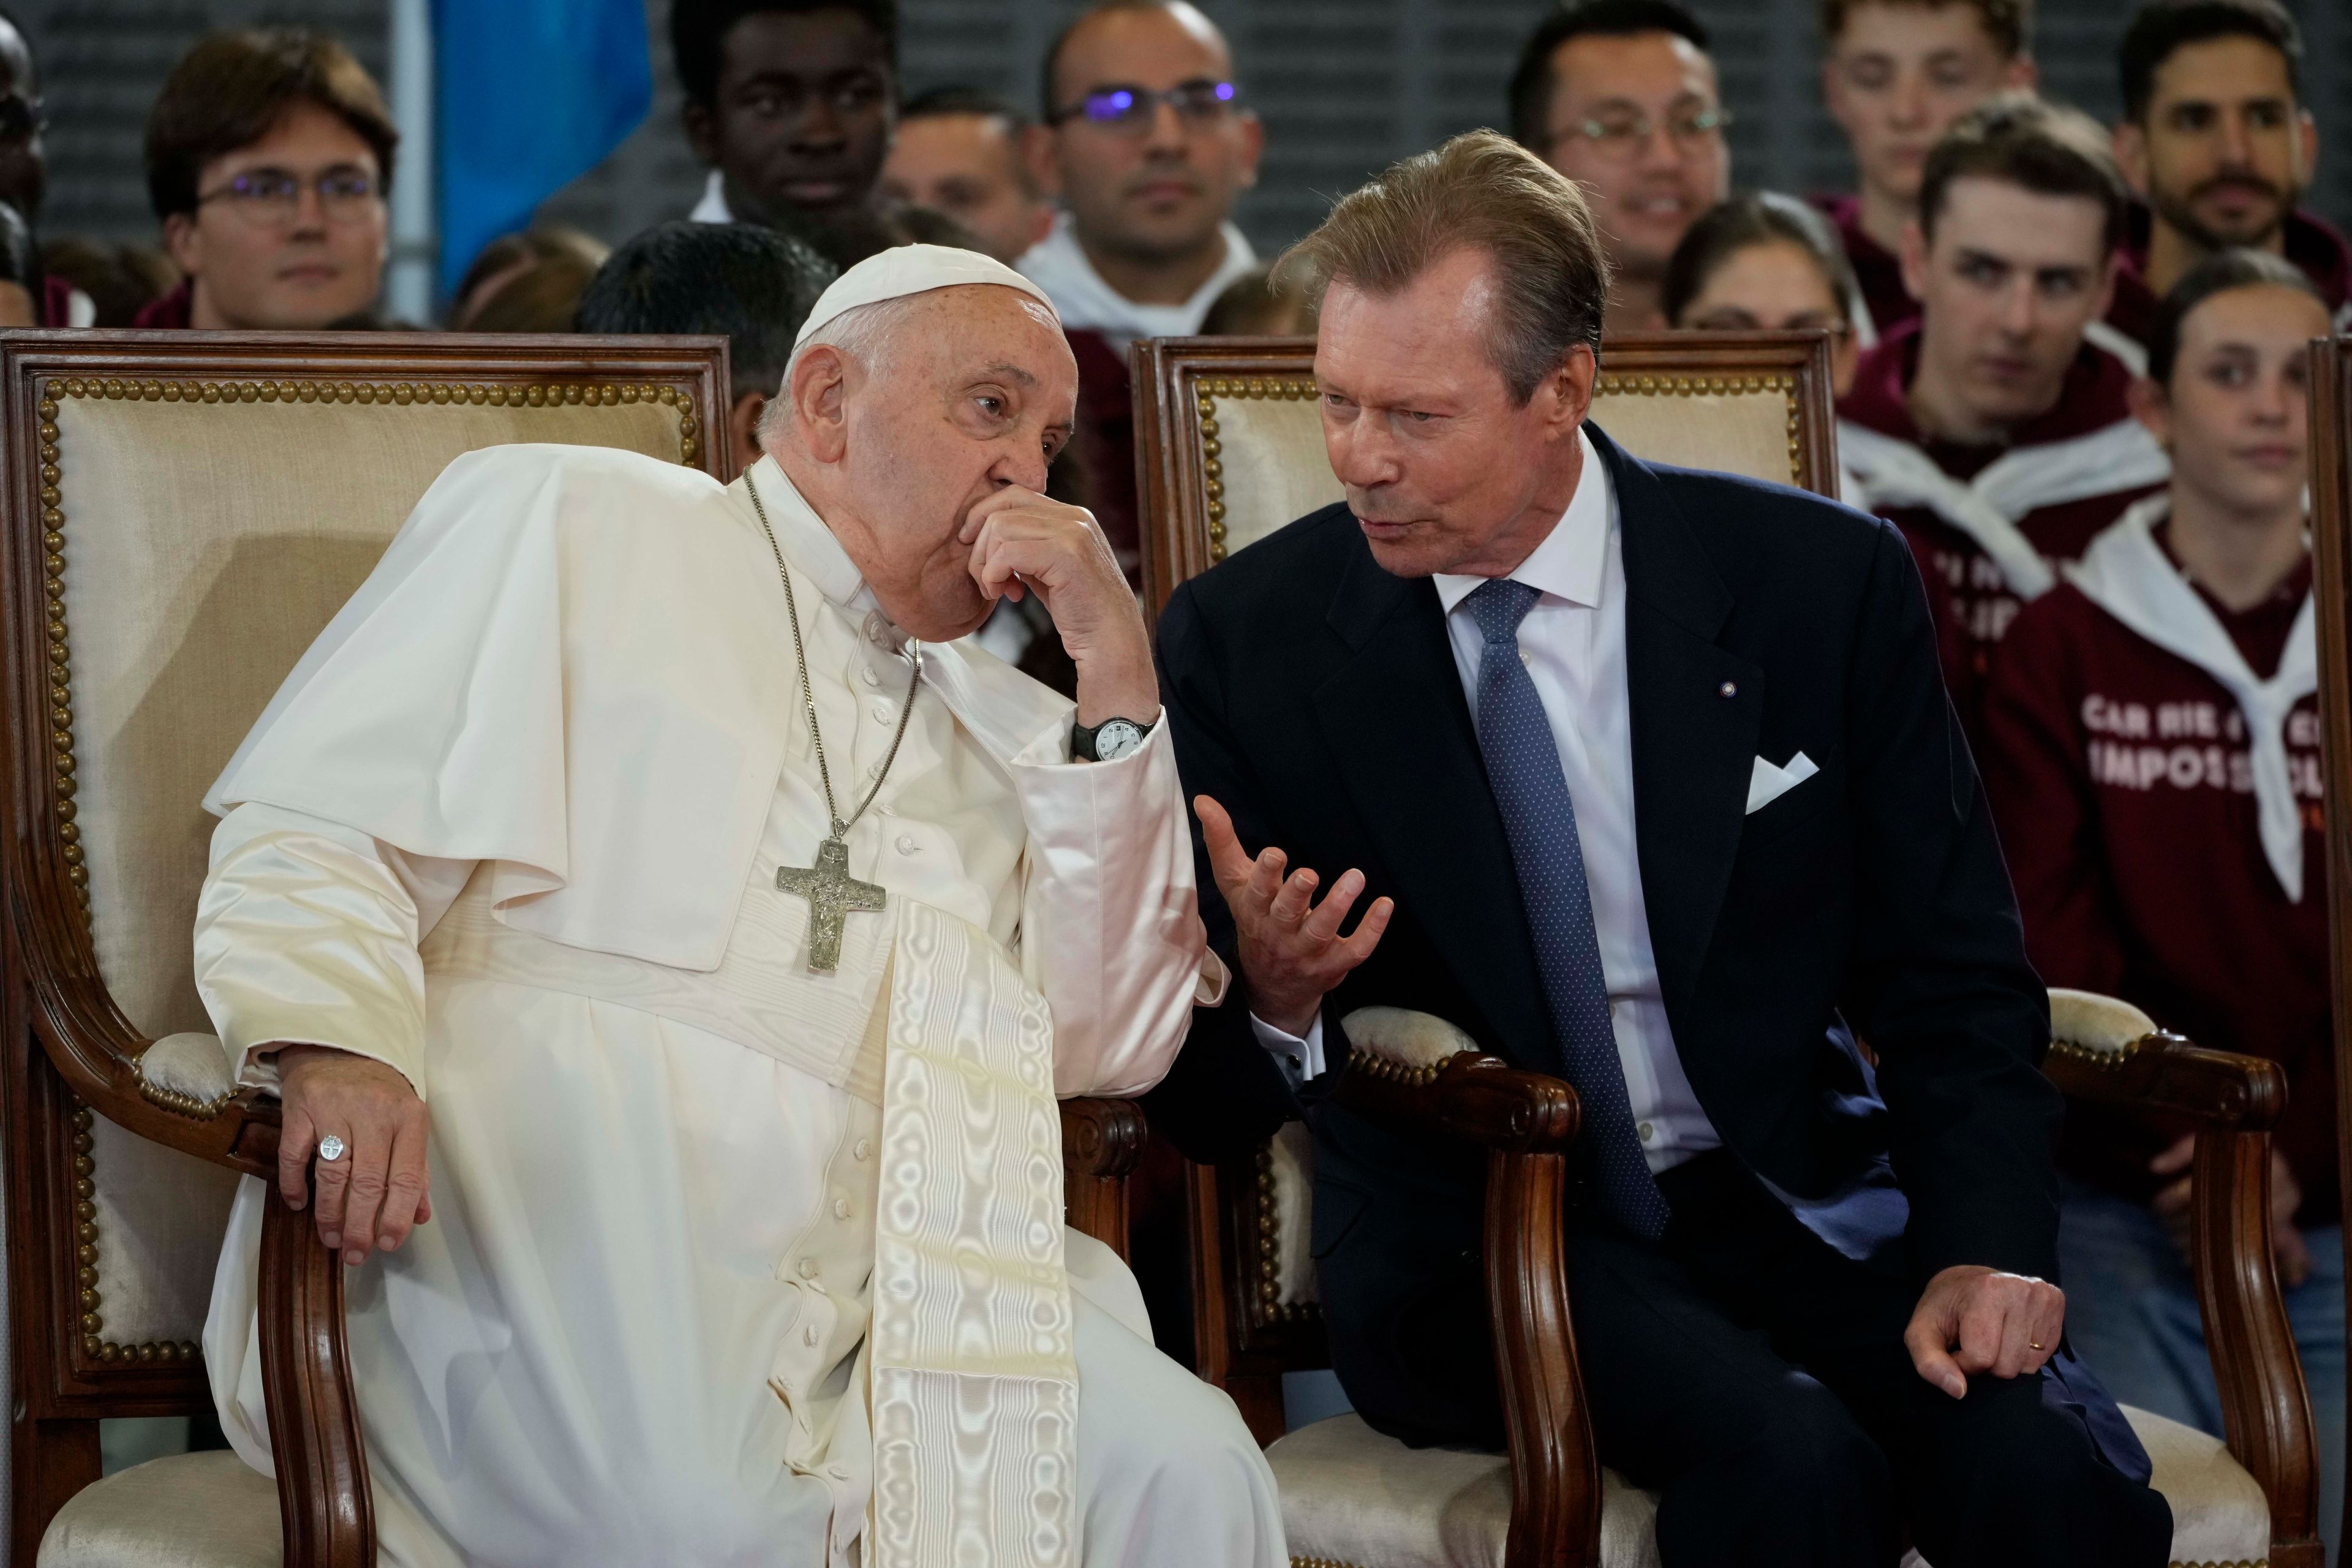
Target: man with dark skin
(791,105)
(23,166)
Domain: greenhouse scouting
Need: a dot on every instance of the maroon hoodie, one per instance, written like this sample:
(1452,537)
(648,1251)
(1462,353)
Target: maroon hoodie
(2120,777)
(1973,602)
(2311,244)
(1877,271)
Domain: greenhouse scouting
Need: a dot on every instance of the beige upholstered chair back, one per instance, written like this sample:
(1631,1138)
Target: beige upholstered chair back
(206,508)
(1232,437)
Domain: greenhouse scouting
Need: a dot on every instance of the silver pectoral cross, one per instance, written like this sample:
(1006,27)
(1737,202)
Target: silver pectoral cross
(833,894)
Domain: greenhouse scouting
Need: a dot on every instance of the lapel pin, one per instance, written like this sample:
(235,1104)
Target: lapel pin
(1728,689)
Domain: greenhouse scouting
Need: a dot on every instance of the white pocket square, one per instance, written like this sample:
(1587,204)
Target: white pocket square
(1768,782)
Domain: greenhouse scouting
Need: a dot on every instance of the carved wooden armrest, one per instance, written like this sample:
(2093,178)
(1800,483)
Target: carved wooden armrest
(1422,1077)
(2110,1052)
(1101,1142)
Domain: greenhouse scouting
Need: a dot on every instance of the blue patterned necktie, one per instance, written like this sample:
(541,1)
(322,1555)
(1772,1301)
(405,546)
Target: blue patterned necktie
(1531,792)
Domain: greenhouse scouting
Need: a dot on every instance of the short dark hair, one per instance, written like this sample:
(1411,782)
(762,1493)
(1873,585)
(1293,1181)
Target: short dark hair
(2162,27)
(233,87)
(2239,267)
(699,29)
(2032,144)
(957,99)
(1530,91)
(743,281)
(2010,23)
(1479,192)
(1752,218)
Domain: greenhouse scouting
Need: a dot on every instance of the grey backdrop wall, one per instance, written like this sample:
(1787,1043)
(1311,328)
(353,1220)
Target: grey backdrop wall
(1345,86)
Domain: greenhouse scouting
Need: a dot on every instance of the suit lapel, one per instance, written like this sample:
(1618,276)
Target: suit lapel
(1694,747)
(1401,734)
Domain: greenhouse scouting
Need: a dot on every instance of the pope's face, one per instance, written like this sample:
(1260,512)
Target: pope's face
(975,391)
(1444,470)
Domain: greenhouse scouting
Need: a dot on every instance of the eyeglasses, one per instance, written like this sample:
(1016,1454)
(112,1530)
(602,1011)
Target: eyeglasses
(1132,110)
(274,195)
(1621,133)
(21,117)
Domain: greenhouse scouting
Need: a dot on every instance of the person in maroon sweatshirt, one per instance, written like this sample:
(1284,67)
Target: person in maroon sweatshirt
(1990,432)
(1895,75)
(2151,750)
(2216,143)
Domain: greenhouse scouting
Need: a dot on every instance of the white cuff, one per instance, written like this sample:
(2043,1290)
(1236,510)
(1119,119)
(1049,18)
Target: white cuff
(1302,1058)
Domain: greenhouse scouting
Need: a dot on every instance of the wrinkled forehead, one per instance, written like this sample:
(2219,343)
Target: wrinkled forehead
(973,328)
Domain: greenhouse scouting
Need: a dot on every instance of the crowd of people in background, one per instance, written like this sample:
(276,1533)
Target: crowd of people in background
(2067,356)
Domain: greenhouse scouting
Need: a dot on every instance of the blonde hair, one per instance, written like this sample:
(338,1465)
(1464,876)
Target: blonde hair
(1480,192)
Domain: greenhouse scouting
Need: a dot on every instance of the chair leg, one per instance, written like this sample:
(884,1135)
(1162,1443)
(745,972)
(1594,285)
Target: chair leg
(323,1501)
(49,1461)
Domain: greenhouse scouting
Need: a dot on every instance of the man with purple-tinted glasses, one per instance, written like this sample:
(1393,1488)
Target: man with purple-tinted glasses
(1146,143)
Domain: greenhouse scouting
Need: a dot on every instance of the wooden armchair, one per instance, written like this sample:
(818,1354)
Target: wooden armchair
(182,513)
(1230,448)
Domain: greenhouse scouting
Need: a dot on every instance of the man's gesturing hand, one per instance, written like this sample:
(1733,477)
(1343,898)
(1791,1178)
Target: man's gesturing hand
(1291,954)
(1020,541)
(1972,1319)
(378,1190)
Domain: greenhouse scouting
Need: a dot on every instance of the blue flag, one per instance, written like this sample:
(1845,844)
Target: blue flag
(528,96)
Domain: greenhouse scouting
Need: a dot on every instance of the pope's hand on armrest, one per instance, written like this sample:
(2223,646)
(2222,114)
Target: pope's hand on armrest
(1291,950)
(377,1189)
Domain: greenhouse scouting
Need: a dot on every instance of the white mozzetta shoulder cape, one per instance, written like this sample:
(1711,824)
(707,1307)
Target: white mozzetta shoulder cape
(574,663)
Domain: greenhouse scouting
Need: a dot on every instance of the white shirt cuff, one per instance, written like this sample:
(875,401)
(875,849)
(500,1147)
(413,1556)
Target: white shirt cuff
(1301,1058)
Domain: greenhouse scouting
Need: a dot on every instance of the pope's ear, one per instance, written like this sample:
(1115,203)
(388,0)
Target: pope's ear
(819,391)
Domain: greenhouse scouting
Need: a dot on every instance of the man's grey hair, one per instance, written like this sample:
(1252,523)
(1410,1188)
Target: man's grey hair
(864,334)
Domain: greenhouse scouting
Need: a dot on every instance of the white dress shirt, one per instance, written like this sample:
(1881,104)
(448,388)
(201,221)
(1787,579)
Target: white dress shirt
(1086,303)
(1573,645)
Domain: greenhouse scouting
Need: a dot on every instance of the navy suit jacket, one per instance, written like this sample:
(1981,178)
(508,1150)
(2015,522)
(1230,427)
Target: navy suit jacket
(1317,698)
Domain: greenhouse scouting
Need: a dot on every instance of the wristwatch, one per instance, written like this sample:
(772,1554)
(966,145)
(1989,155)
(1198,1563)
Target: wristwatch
(1109,741)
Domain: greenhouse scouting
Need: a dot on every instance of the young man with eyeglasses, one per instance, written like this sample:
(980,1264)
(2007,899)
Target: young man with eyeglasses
(1146,145)
(1895,75)
(1621,97)
(1998,438)
(2216,143)
(268,154)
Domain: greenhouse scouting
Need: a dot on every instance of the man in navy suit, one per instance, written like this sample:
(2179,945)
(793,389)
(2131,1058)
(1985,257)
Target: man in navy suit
(1649,781)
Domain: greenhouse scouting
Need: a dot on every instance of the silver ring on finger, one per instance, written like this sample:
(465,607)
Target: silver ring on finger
(331,1148)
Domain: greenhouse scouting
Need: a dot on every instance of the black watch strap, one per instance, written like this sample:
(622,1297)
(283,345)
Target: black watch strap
(1082,737)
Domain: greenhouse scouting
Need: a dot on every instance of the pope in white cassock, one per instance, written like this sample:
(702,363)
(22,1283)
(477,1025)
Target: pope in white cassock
(641,882)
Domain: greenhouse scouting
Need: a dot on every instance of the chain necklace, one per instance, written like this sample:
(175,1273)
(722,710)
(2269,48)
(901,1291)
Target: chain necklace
(832,892)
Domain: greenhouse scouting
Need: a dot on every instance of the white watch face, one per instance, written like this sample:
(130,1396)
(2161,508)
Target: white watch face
(1116,739)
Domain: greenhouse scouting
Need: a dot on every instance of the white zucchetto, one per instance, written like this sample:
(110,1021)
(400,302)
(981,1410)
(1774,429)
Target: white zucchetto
(904,269)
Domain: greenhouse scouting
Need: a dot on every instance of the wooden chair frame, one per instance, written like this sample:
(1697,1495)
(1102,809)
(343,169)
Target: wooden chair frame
(69,1049)
(2331,530)
(1246,1337)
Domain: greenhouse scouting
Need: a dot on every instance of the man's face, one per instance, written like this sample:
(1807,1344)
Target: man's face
(1157,183)
(804,110)
(2235,418)
(2005,289)
(977,391)
(1902,71)
(288,231)
(24,168)
(1631,120)
(967,166)
(2224,151)
(1445,471)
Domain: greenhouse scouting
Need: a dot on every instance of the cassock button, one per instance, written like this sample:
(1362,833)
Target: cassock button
(907,845)
(808,1335)
(882,711)
(836,1472)
(865,1147)
(877,629)
(841,1208)
(1728,689)
(871,678)
(808,1268)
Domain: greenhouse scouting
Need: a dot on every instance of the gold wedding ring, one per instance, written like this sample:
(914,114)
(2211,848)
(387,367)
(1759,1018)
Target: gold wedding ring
(2033,1344)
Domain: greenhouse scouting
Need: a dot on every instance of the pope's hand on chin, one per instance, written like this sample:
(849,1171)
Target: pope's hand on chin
(1021,543)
